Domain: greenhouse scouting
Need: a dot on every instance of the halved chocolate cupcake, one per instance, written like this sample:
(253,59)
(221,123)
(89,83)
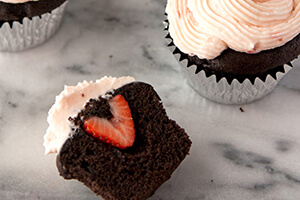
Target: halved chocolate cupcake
(115,137)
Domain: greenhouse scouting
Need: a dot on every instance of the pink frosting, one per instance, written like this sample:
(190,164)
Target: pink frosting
(207,27)
(16,1)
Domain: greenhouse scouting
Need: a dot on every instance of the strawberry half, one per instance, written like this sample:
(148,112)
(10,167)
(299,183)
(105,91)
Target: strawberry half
(119,130)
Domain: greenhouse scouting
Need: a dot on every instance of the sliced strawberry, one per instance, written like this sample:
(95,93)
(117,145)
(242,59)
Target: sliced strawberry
(119,130)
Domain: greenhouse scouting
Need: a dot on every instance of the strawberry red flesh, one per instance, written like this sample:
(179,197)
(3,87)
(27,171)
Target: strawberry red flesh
(119,130)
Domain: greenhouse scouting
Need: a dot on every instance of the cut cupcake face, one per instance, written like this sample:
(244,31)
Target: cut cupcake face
(207,27)
(70,102)
(118,130)
(115,137)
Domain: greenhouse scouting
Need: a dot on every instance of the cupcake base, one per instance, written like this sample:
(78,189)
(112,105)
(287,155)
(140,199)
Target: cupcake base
(234,93)
(17,36)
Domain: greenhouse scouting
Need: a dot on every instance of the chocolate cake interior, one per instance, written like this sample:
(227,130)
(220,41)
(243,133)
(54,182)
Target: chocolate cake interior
(133,173)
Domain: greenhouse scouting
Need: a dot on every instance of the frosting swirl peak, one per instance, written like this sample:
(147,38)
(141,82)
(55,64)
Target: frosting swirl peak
(207,27)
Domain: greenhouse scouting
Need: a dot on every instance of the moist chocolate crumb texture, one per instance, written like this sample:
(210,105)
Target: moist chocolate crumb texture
(112,168)
(14,10)
(235,38)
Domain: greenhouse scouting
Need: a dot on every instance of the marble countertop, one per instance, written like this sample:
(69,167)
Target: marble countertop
(252,154)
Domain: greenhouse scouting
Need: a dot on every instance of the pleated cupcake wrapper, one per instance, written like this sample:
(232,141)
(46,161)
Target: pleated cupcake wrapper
(31,32)
(219,89)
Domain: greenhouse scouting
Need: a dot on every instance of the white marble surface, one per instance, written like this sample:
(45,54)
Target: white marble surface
(235,155)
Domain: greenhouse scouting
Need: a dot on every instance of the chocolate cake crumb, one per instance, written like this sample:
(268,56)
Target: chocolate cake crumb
(94,107)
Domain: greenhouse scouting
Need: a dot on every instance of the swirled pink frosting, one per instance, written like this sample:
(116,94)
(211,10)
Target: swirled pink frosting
(16,1)
(207,27)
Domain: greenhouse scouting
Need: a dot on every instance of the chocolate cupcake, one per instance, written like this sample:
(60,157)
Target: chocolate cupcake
(115,137)
(234,51)
(28,23)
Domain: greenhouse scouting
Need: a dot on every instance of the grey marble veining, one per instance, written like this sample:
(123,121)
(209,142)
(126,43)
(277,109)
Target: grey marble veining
(239,152)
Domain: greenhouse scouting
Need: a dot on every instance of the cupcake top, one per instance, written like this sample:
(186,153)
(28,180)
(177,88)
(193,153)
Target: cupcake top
(207,27)
(70,102)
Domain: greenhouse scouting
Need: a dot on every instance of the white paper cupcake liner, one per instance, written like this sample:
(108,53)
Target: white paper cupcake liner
(31,32)
(220,90)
